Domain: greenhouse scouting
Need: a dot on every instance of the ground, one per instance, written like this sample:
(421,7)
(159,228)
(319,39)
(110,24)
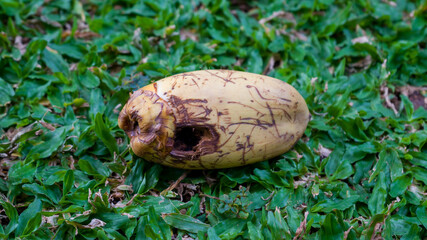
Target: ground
(66,70)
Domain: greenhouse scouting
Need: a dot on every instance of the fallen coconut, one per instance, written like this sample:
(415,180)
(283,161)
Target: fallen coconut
(214,119)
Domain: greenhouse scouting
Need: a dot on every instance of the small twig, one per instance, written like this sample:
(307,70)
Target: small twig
(269,67)
(347,232)
(268,198)
(387,100)
(173,185)
(209,196)
(320,114)
(72,161)
(131,200)
(47,125)
(22,132)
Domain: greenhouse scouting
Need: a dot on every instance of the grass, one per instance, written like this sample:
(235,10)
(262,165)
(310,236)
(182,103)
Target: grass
(67,67)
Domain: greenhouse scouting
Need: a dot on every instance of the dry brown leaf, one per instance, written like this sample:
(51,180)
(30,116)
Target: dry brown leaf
(322,151)
(362,39)
(188,34)
(388,103)
(19,45)
(21,132)
(415,95)
(347,232)
(362,63)
(391,3)
(302,227)
(270,66)
(278,14)
(94,223)
(47,125)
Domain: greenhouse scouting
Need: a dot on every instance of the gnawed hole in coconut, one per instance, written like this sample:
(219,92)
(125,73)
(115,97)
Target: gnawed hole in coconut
(187,138)
(134,129)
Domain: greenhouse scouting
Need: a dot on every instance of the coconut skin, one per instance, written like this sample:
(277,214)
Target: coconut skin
(213,119)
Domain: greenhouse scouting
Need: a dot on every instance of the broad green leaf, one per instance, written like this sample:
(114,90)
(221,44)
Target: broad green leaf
(55,62)
(343,171)
(93,166)
(96,103)
(140,229)
(392,157)
(422,215)
(354,127)
(294,219)
(12,214)
(255,63)
(52,141)
(104,133)
(149,232)
(33,89)
(10,7)
(338,204)
(68,182)
(254,232)
(212,234)
(71,49)
(70,209)
(336,166)
(280,198)
(36,46)
(357,152)
(230,228)
(6,93)
(150,179)
(47,193)
(21,173)
(277,225)
(413,233)
(100,234)
(330,228)
(29,66)
(30,218)
(388,159)
(409,107)
(89,80)
(400,184)
(32,225)
(378,218)
(269,177)
(337,108)
(387,233)
(157,226)
(379,194)
(185,222)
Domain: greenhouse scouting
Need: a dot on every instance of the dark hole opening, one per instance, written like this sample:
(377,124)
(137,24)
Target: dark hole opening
(134,129)
(187,138)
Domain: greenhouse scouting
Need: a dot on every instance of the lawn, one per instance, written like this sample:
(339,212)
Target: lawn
(67,68)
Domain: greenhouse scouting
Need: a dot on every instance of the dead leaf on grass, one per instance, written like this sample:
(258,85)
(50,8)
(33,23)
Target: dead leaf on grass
(415,94)
(185,34)
(94,223)
(302,227)
(384,89)
(278,14)
(363,63)
(19,45)
(362,39)
(347,232)
(322,151)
